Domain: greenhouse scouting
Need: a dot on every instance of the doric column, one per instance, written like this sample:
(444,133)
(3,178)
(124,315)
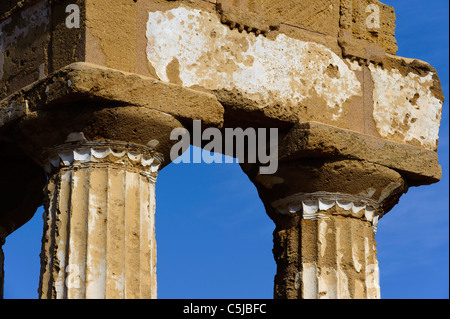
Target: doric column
(99,226)
(111,128)
(329,250)
(326,214)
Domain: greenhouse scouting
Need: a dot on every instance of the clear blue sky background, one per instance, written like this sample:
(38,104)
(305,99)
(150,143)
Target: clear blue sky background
(215,240)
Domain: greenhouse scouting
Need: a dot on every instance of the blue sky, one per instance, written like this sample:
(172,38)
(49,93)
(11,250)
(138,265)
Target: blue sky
(215,240)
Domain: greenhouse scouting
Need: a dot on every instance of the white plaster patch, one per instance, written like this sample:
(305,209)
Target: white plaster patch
(372,271)
(354,65)
(309,281)
(326,204)
(342,280)
(323,237)
(75,279)
(96,274)
(328,283)
(406,106)
(60,277)
(356,262)
(309,209)
(119,282)
(368,214)
(373,281)
(209,54)
(344,205)
(343,286)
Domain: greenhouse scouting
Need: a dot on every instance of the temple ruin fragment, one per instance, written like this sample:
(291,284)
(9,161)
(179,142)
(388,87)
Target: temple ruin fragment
(90,91)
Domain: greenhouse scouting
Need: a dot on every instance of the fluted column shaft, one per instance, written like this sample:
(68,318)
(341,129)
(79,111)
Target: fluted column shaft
(326,213)
(327,249)
(99,226)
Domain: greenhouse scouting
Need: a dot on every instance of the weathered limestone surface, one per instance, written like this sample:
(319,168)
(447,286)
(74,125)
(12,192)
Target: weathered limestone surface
(349,45)
(23,45)
(99,239)
(358,126)
(103,179)
(328,257)
(371,21)
(315,140)
(292,78)
(326,212)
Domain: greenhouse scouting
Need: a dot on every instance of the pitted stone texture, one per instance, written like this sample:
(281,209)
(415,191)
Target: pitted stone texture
(99,236)
(417,165)
(371,21)
(22,64)
(313,80)
(416,117)
(284,78)
(324,61)
(85,81)
(191,47)
(297,180)
(326,214)
(104,104)
(333,258)
(318,16)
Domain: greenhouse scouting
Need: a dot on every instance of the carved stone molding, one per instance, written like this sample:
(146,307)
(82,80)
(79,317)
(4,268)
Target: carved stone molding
(103,152)
(99,224)
(312,206)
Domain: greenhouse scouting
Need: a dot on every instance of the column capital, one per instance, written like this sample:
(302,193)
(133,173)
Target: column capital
(314,206)
(357,186)
(81,153)
(326,212)
(99,240)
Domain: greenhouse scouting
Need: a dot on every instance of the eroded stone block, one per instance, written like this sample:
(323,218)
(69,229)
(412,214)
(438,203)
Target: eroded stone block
(24,39)
(359,126)
(371,21)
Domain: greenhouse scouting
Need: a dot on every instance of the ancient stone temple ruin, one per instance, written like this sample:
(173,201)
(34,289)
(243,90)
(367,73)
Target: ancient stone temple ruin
(91,90)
